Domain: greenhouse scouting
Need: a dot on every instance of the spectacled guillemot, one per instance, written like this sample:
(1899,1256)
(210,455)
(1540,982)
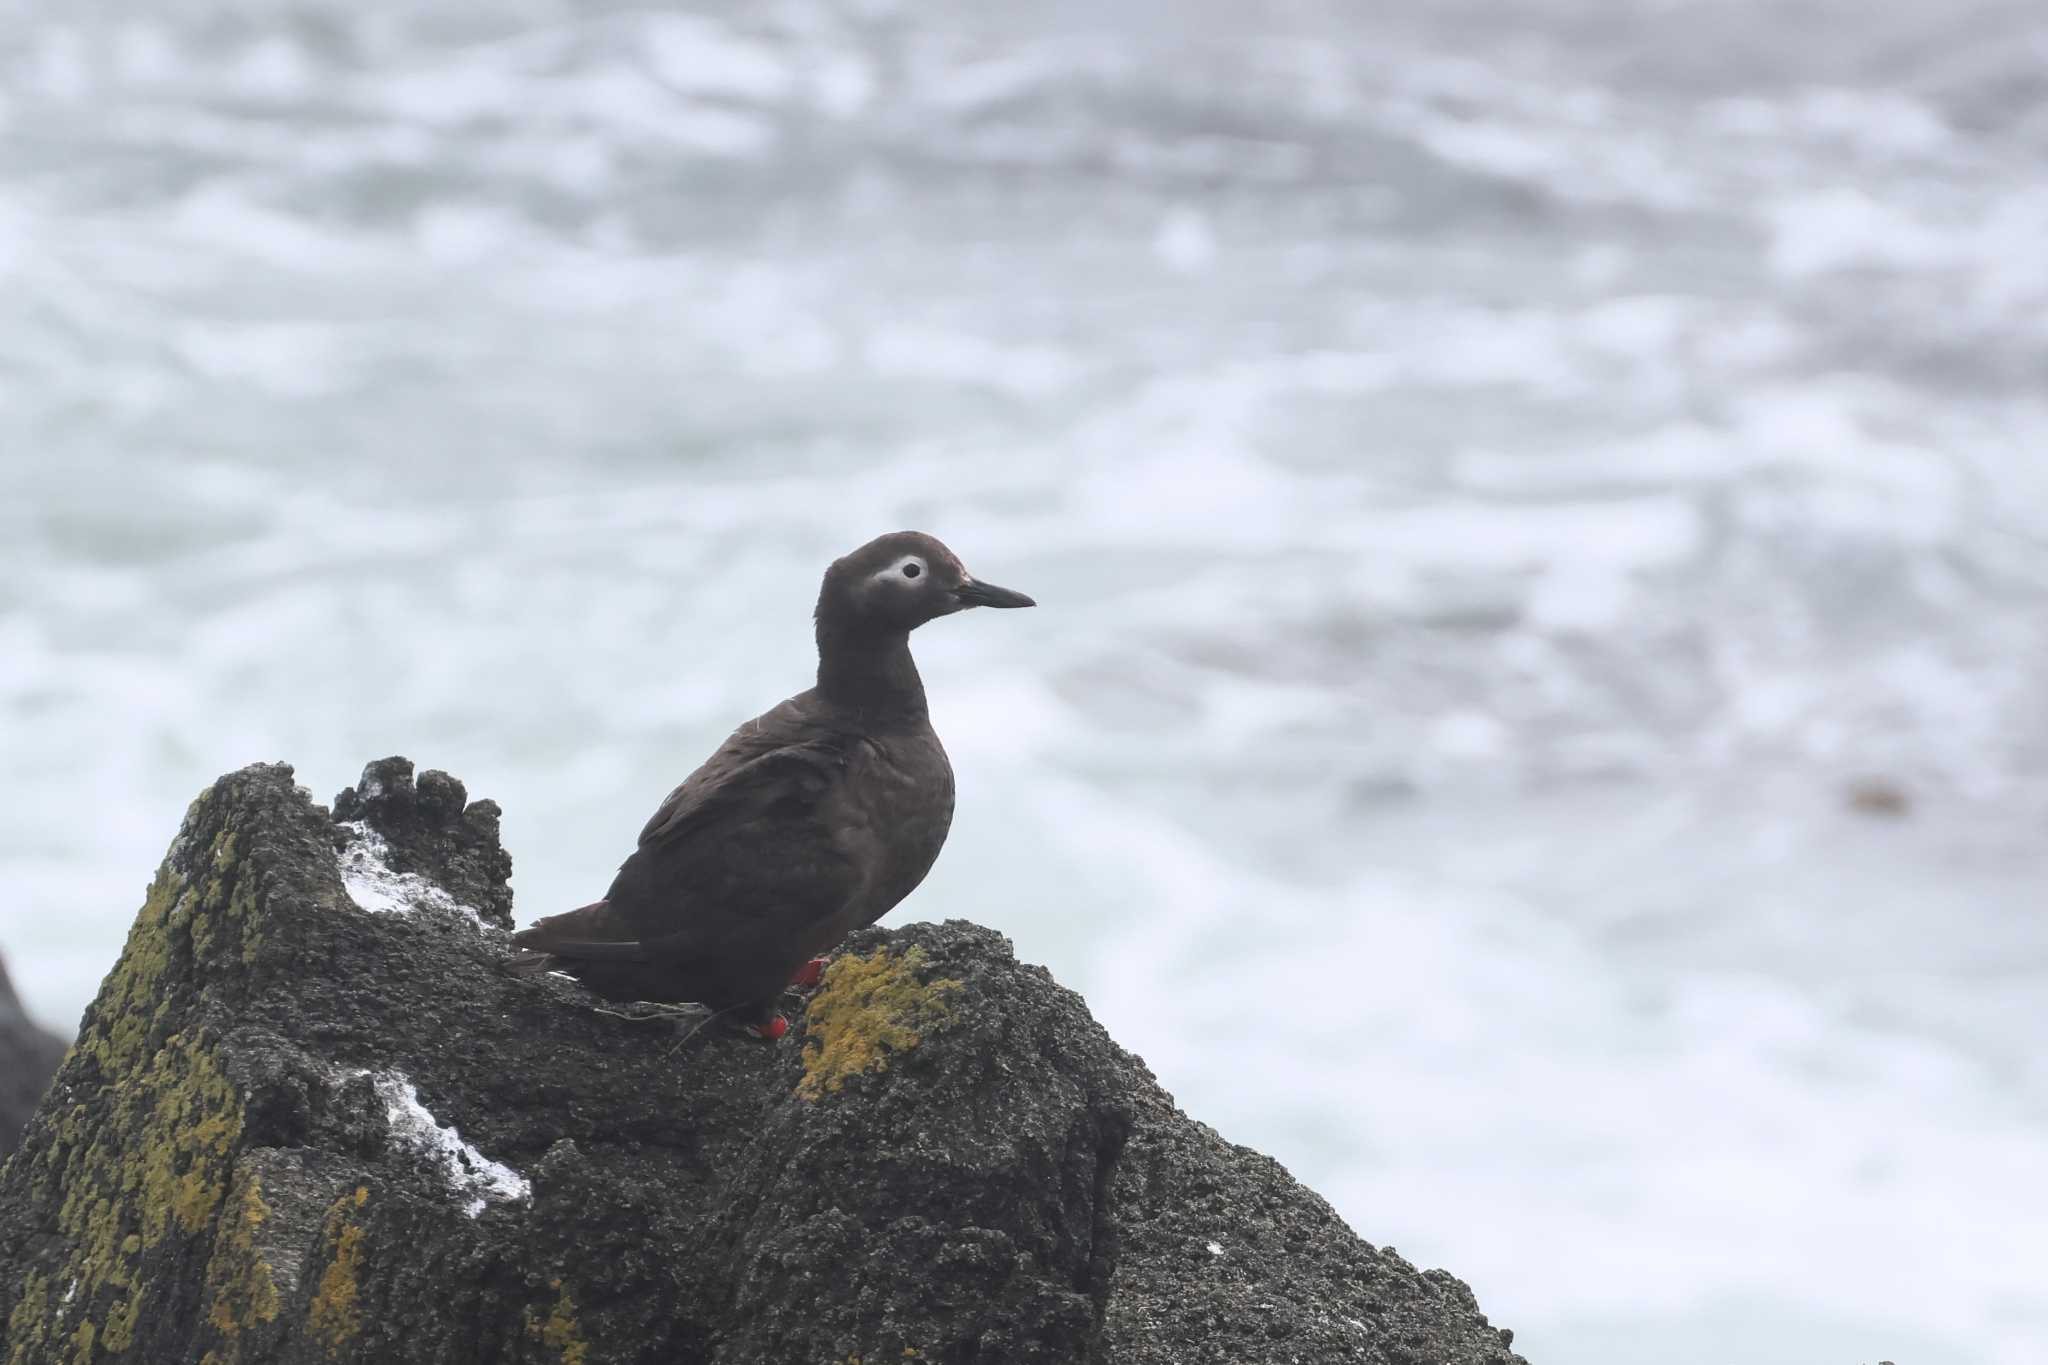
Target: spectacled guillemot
(812,820)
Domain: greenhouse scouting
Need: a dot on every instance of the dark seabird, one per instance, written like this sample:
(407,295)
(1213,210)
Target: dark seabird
(812,820)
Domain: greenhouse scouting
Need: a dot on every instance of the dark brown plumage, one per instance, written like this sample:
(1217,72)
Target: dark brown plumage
(812,820)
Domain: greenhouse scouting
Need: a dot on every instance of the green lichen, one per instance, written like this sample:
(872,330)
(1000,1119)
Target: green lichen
(184,914)
(867,1008)
(227,903)
(120,1333)
(560,1331)
(335,1317)
(155,1163)
(141,1148)
(30,1309)
(131,1000)
(239,1285)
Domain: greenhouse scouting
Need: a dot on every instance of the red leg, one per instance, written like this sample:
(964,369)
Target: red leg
(809,975)
(772,1030)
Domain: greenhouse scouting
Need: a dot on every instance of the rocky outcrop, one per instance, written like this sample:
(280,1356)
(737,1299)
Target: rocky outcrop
(311,1118)
(29,1054)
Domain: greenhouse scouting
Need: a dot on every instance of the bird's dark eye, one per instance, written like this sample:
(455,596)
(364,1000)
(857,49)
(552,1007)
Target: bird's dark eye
(912,569)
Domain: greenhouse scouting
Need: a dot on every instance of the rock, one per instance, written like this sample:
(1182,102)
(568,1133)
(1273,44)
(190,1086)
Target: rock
(1878,796)
(295,1130)
(433,831)
(29,1056)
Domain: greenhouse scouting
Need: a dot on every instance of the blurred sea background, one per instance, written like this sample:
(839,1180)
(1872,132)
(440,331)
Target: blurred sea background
(1540,511)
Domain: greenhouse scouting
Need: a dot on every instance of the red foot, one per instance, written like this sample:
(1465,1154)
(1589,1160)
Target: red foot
(772,1030)
(809,974)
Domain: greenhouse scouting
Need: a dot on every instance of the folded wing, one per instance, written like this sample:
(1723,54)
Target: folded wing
(735,873)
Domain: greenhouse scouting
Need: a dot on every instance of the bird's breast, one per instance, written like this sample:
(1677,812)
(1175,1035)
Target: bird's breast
(899,794)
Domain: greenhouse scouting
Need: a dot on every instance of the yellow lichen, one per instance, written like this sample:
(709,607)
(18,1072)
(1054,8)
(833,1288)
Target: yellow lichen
(238,1279)
(560,1331)
(335,1317)
(120,1333)
(179,908)
(155,1163)
(866,1008)
(130,996)
(29,1310)
(142,1124)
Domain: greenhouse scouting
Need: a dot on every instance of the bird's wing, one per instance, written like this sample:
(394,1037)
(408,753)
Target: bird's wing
(750,851)
(744,866)
(742,861)
(780,758)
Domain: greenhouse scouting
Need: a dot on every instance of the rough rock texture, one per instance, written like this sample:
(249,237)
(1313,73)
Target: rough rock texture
(249,1156)
(29,1055)
(432,829)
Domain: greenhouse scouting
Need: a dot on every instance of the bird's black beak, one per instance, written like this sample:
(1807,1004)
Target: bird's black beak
(975,593)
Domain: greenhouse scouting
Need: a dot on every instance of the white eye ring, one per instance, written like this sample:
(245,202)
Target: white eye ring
(910,568)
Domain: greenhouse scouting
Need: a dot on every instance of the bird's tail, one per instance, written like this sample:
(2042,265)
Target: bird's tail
(589,933)
(536,944)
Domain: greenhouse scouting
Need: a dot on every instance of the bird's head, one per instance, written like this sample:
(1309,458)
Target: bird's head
(897,582)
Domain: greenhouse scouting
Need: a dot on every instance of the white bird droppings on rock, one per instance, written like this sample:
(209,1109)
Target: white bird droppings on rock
(374,885)
(469,1171)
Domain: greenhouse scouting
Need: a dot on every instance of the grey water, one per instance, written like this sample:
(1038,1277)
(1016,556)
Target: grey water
(1540,512)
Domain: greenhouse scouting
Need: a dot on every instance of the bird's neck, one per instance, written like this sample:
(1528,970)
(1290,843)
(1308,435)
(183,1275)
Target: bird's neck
(869,673)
